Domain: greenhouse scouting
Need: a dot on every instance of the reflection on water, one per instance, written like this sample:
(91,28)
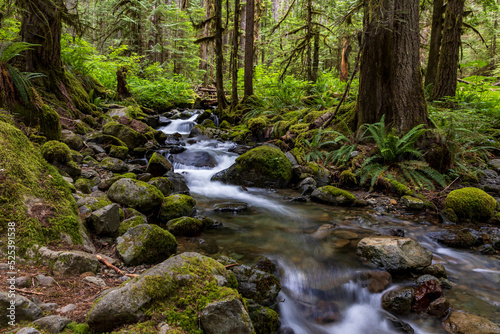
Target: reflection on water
(320,292)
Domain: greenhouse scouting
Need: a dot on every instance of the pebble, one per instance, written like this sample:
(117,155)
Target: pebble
(45,280)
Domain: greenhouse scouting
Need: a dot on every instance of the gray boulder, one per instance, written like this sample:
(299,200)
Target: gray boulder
(21,309)
(227,316)
(27,330)
(69,262)
(53,323)
(394,253)
(106,221)
(164,287)
(135,194)
(163,184)
(258,285)
(145,244)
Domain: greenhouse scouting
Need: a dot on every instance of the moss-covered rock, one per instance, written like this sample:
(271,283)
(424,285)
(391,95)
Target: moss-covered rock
(163,184)
(41,216)
(264,319)
(176,291)
(131,222)
(145,244)
(471,203)
(333,195)
(158,165)
(119,152)
(105,184)
(224,125)
(104,140)
(208,123)
(185,226)
(83,185)
(263,166)
(113,164)
(257,124)
(129,136)
(55,151)
(73,141)
(135,194)
(176,206)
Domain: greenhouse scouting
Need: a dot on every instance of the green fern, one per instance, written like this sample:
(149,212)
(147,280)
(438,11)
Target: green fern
(348,144)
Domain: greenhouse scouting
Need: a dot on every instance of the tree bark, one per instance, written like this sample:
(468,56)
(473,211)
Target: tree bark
(446,79)
(234,57)
(344,65)
(390,79)
(219,58)
(435,43)
(315,60)
(121,83)
(248,80)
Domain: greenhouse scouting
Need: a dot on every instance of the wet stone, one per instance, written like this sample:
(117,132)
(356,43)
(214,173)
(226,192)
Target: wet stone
(426,293)
(231,207)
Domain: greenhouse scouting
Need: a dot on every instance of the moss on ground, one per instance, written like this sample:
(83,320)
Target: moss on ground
(33,194)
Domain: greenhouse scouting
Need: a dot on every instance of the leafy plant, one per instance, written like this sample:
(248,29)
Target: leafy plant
(397,158)
(11,77)
(348,143)
(313,147)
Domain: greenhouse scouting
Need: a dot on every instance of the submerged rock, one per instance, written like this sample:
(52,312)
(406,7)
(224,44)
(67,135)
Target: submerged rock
(394,253)
(460,323)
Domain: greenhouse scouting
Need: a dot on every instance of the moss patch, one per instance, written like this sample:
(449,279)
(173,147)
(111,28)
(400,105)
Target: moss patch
(54,151)
(472,203)
(176,206)
(33,194)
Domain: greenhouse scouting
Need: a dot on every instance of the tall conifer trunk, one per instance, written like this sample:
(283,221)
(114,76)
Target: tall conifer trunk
(435,43)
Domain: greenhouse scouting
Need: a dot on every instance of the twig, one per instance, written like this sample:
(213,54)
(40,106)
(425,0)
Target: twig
(32,292)
(449,185)
(131,275)
(119,271)
(231,265)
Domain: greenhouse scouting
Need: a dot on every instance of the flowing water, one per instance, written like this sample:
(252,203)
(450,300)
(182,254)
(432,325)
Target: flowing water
(321,292)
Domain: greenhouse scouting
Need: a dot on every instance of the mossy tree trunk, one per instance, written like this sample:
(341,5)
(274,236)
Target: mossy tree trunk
(249,36)
(435,43)
(446,79)
(390,79)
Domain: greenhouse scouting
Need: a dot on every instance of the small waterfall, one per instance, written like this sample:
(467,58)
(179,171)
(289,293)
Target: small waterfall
(182,126)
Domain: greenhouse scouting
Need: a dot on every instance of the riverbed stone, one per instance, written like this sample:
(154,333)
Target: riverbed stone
(461,322)
(231,206)
(130,137)
(185,226)
(176,206)
(398,301)
(394,253)
(131,222)
(258,285)
(264,319)
(53,323)
(25,309)
(472,203)
(377,281)
(457,237)
(436,270)
(412,203)
(190,275)
(106,221)
(158,165)
(114,165)
(136,194)
(226,316)
(333,196)
(145,244)
(179,183)
(163,184)
(197,159)
(426,293)
(263,166)
(439,307)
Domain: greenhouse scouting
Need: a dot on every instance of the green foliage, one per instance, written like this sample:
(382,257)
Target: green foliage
(396,158)
(313,147)
(348,143)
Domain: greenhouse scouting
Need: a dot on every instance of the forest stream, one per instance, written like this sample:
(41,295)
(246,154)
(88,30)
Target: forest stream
(321,292)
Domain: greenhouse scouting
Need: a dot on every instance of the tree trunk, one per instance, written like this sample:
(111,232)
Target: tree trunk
(446,79)
(234,57)
(390,80)
(315,60)
(344,65)
(219,59)
(308,37)
(435,43)
(121,83)
(249,48)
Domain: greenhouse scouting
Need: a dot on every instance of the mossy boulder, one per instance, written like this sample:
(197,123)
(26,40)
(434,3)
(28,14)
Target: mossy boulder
(224,125)
(226,316)
(128,135)
(73,141)
(33,194)
(471,203)
(114,165)
(119,152)
(263,166)
(83,185)
(257,124)
(163,184)
(176,290)
(135,194)
(105,184)
(131,222)
(176,206)
(333,196)
(145,244)
(264,319)
(158,165)
(104,140)
(185,226)
(55,151)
